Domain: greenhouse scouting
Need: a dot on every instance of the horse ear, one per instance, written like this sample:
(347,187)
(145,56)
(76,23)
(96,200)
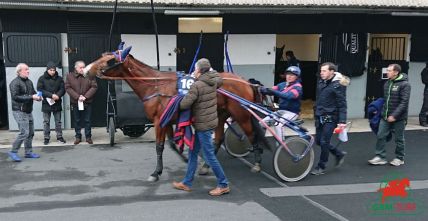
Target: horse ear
(120,47)
(126,52)
(116,55)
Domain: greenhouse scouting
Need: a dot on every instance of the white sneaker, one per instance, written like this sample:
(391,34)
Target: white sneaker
(396,162)
(377,161)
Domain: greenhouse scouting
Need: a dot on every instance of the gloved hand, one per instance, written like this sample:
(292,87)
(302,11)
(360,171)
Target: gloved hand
(265,90)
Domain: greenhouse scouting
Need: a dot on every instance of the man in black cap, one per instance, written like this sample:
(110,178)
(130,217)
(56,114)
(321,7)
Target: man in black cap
(52,87)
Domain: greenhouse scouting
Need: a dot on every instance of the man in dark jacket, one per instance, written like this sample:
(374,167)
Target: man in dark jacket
(423,115)
(202,99)
(22,95)
(394,116)
(52,87)
(81,89)
(330,112)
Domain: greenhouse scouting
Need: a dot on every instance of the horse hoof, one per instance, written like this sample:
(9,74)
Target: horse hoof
(256,168)
(203,171)
(153,178)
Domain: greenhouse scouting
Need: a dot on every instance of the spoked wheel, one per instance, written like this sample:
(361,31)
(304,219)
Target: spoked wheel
(235,145)
(111,130)
(284,165)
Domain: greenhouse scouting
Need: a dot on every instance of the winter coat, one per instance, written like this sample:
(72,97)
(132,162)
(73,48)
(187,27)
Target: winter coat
(76,85)
(397,96)
(50,85)
(331,97)
(289,96)
(202,99)
(424,77)
(21,93)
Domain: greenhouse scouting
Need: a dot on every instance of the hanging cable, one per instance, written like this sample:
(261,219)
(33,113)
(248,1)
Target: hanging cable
(155,25)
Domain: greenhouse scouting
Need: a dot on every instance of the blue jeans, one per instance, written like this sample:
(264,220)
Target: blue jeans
(26,131)
(324,132)
(204,139)
(85,117)
(384,129)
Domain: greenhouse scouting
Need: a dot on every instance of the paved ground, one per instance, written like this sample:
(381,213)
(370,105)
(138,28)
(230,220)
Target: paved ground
(99,182)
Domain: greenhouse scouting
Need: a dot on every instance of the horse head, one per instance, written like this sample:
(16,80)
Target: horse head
(107,62)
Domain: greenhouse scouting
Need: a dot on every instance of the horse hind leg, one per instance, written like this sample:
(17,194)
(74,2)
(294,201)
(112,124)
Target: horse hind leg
(257,137)
(219,138)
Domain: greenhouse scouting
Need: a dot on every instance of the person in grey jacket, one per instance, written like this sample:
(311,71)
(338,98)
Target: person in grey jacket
(202,99)
(52,87)
(394,116)
(22,95)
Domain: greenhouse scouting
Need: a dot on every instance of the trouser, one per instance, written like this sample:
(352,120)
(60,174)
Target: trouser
(279,126)
(47,124)
(203,139)
(82,116)
(26,131)
(324,132)
(384,129)
(423,115)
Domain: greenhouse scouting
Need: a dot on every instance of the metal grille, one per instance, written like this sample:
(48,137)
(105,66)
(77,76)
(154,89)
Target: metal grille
(389,48)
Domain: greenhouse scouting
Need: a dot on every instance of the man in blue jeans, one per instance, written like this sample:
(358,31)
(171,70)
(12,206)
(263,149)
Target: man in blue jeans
(202,98)
(22,95)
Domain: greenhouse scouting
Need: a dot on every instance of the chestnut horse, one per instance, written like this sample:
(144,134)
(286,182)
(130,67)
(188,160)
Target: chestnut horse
(155,88)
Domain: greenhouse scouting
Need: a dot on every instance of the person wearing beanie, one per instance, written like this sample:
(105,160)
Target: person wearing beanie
(52,87)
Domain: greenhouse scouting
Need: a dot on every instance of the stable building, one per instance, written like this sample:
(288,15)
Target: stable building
(361,36)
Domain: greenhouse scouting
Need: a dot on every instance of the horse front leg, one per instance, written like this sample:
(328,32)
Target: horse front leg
(160,141)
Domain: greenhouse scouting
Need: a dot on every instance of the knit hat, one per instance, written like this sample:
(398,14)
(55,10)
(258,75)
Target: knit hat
(51,65)
(203,65)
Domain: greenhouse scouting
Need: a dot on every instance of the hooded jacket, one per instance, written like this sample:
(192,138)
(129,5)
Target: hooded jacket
(331,97)
(21,93)
(424,77)
(202,99)
(50,85)
(397,96)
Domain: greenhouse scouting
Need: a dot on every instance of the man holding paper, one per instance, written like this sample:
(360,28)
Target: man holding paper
(81,90)
(52,87)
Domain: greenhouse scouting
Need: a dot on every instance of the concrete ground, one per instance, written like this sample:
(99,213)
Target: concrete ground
(100,135)
(99,182)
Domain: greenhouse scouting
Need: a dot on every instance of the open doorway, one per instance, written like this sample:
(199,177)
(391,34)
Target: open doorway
(305,48)
(385,49)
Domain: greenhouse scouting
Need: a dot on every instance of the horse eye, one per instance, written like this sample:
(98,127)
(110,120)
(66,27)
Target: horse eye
(111,62)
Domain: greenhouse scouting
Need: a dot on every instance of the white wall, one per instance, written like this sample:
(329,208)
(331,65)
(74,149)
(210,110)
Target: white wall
(253,56)
(144,48)
(305,46)
(416,95)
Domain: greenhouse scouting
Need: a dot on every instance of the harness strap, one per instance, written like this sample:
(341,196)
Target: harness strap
(148,97)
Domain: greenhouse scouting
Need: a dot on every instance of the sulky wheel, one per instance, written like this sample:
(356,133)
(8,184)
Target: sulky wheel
(236,146)
(283,164)
(111,130)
